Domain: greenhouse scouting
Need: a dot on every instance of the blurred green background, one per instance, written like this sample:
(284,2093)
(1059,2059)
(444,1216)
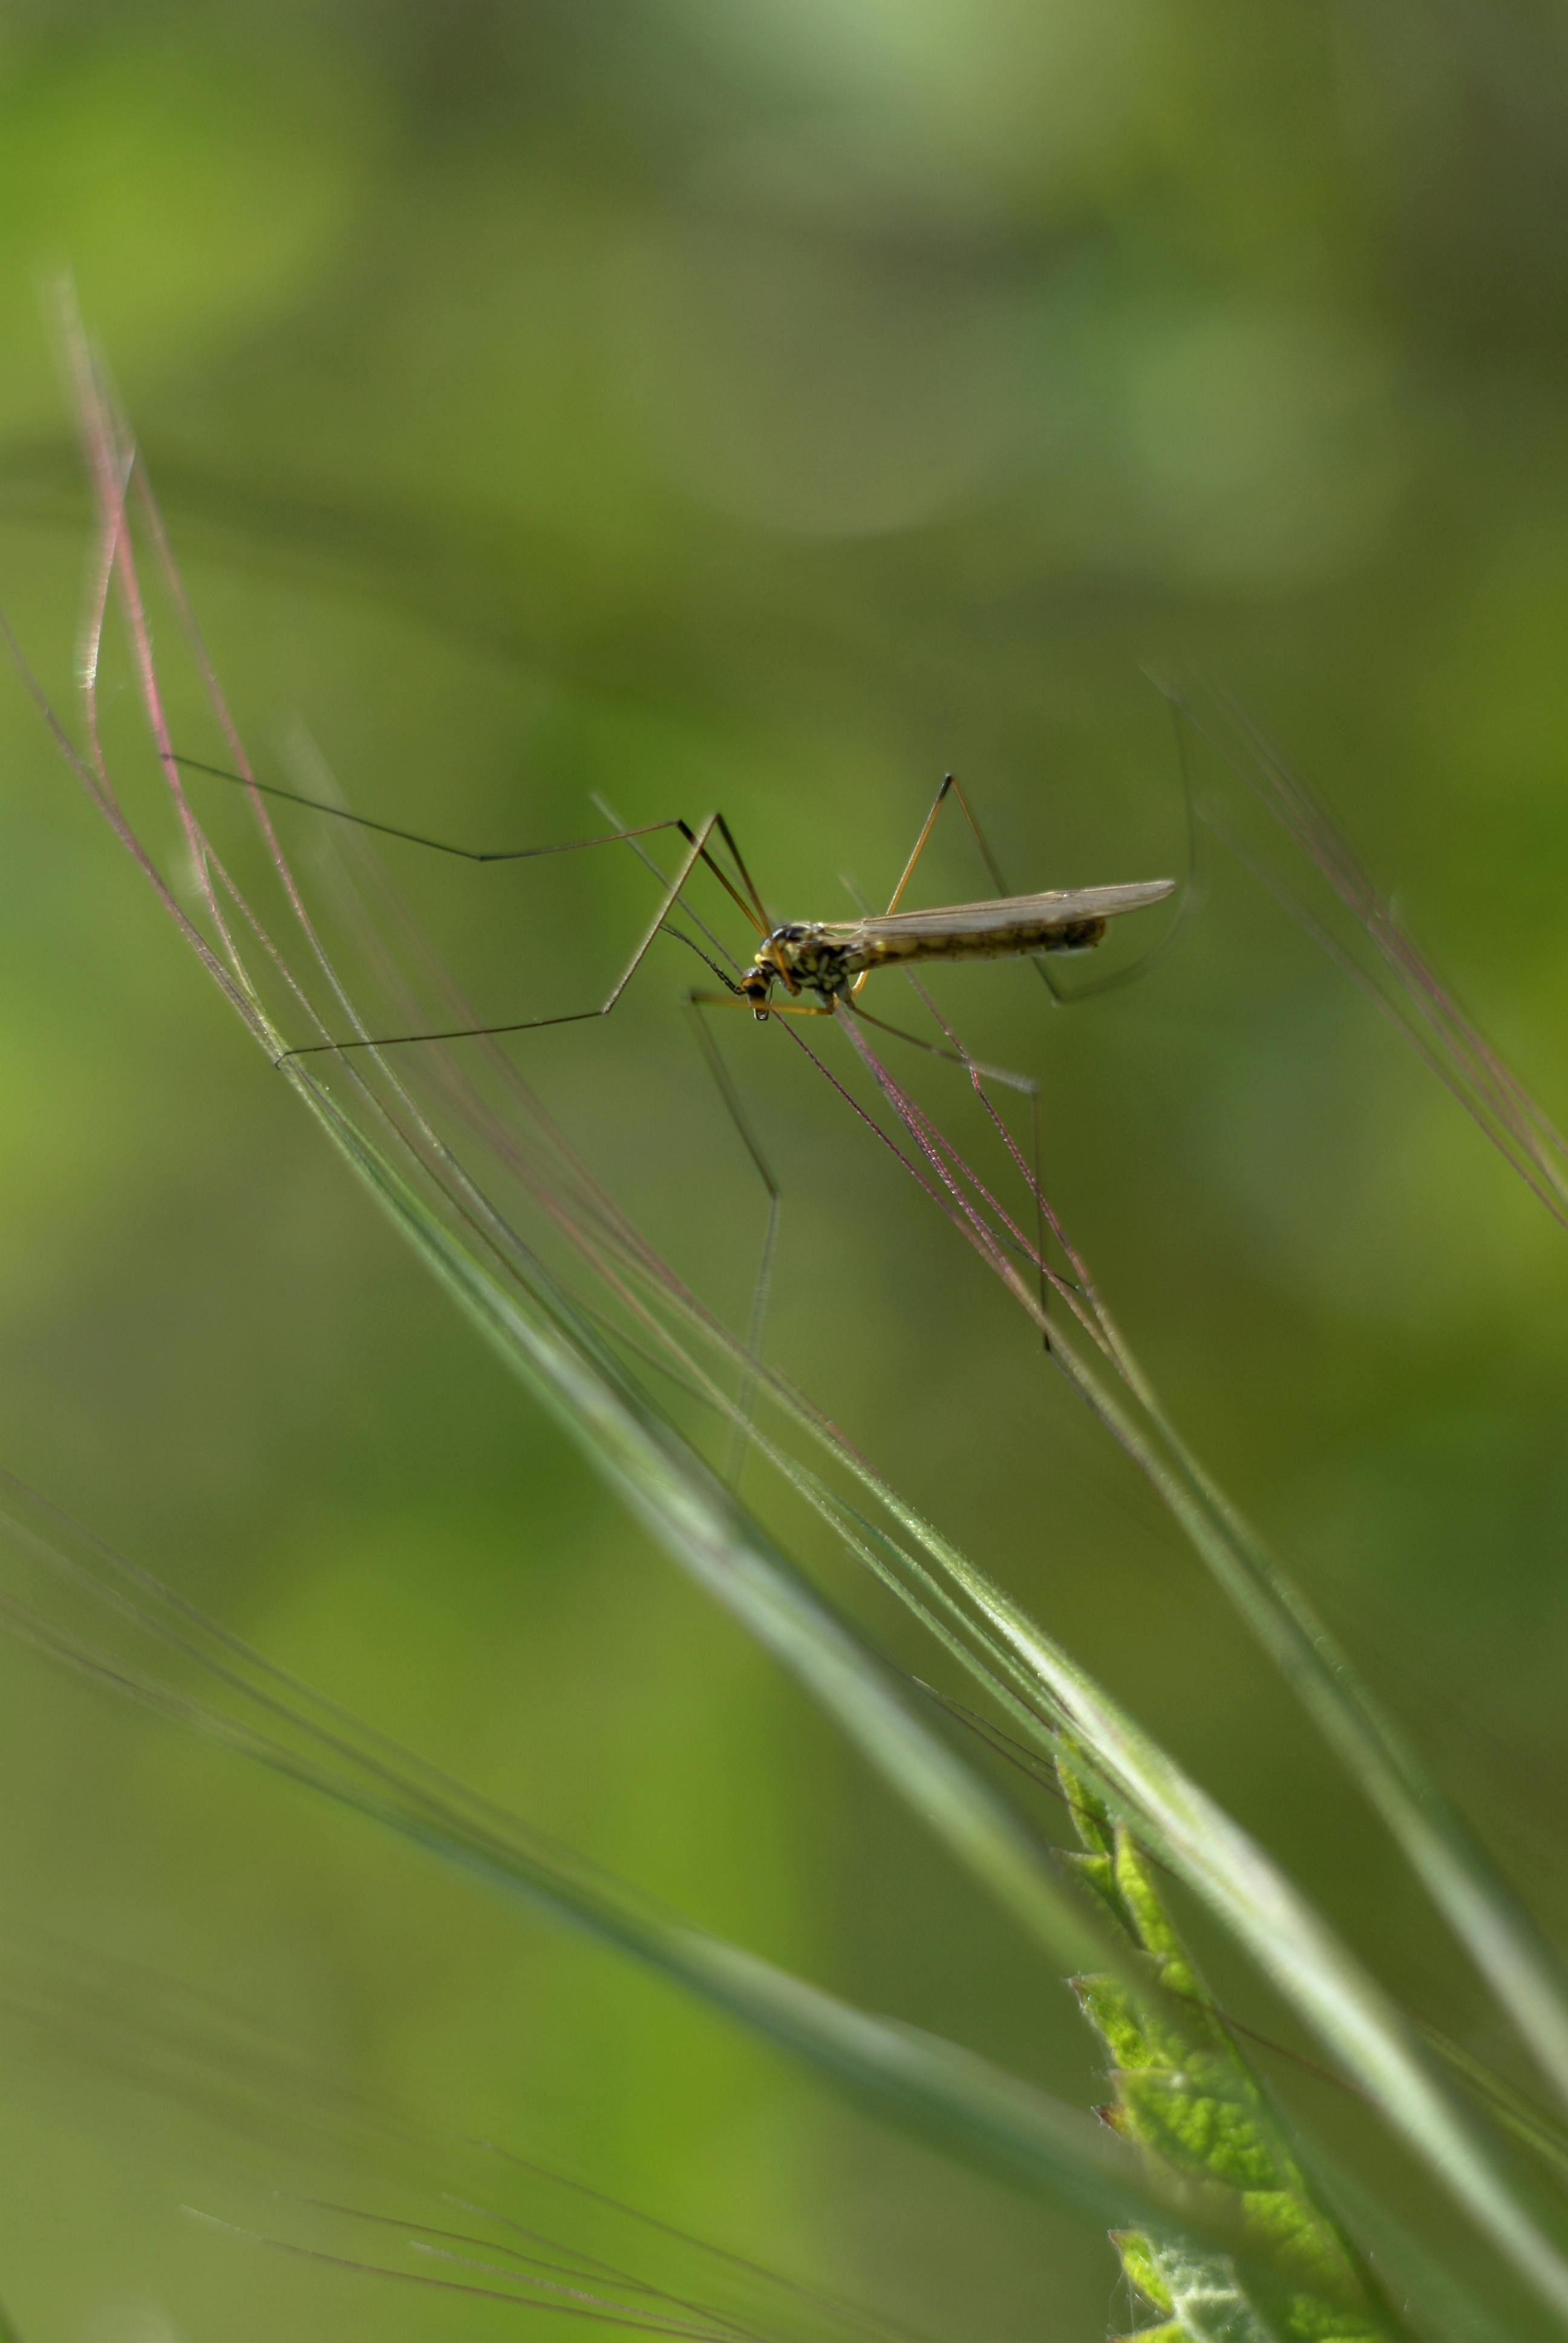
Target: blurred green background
(771,408)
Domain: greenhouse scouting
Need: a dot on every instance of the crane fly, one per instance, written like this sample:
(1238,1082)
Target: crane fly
(834,957)
(831,958)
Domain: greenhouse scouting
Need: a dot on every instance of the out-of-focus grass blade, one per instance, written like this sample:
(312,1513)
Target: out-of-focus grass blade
(957,2099)
(310,1741)
(1513,2111)
(392,2171)
(1406,986)
(1338,1996)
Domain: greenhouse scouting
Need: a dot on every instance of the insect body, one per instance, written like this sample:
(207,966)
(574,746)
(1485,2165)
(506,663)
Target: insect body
(833,959)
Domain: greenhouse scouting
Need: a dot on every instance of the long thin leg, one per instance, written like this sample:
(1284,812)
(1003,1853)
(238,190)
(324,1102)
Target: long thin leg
(749,902)
(949,782)
(754,911)
(411,837)
(1060,993)
(1191,885)
(746,1399)
(775,1008)
(951,788)
(972,1066)
(1030,1088)
(696,852)
(696,1004)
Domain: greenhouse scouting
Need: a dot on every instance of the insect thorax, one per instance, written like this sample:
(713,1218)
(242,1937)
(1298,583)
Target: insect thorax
(814,957)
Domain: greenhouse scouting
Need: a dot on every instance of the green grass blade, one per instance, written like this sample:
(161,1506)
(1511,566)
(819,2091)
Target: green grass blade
(1509,2107)
(1334,1991)
(698,1524)
(1510,1950)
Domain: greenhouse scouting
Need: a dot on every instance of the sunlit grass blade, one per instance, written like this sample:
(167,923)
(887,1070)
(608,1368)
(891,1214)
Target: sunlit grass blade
(1487,1915)
(1336,1995)
(1064,1709)
(692,1516)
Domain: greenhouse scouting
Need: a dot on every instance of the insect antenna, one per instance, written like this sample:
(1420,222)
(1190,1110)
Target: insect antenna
(762,1292)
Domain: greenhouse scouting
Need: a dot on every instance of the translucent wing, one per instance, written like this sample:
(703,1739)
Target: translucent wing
(1063,909)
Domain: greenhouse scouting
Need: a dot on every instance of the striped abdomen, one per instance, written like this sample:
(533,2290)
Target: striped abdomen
(1010,942)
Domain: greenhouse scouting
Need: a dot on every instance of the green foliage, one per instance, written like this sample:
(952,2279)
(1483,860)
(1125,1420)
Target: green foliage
(1188,2098)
